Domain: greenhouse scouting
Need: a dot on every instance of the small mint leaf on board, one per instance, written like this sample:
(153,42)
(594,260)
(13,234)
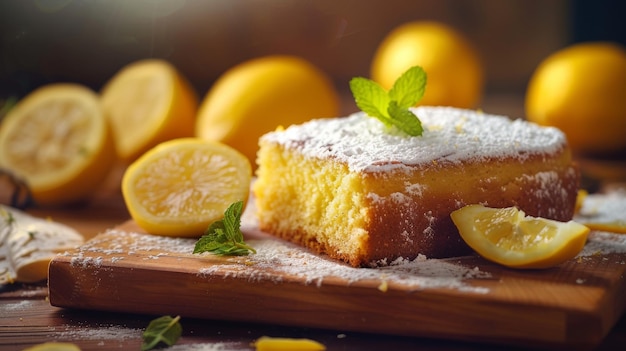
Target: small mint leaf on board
(164,329)
(392,108)
(224,237)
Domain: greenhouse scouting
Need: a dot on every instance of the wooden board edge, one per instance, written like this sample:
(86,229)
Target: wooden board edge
(328,307)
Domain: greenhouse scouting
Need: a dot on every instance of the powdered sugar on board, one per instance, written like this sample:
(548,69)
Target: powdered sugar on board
(275,261)
(274,256)
(604,243)
(605,212)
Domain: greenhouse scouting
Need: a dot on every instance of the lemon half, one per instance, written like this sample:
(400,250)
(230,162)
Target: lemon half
(181,186)
(58,140)
(148,102)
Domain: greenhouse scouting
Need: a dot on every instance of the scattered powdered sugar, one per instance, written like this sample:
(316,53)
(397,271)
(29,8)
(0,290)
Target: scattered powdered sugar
(17,306)
(115,244)
(100,333)
(277,260)
(450,135)
(85,261)
(604,212)
(218,346)
(421,273)
(603,243)
(603,209)
(33,292)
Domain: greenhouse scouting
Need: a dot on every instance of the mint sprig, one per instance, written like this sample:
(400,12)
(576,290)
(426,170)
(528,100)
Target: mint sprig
(224,237)
(392,107)
(164,329)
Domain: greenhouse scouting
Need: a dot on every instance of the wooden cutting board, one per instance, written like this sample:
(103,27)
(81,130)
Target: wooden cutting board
(575,304)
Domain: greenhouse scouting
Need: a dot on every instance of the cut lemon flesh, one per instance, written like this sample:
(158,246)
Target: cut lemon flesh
(148,102)
(181,186)
(58,140)
(508,237)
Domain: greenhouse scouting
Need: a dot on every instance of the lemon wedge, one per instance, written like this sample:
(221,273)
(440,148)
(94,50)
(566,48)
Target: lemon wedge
(511,238)
(58,140)
(181,186)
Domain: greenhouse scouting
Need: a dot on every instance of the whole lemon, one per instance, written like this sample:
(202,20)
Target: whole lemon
(261,94)
(581,90)
(453,67)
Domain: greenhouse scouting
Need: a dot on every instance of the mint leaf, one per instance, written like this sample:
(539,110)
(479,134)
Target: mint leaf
(404,119)
(392,108)
(409,89)
(232,221)
(224,237)
(164,329)
(370,97)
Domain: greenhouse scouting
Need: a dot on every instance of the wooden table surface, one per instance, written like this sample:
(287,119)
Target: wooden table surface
(27,318)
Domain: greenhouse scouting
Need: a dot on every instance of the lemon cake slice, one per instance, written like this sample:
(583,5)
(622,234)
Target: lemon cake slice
(357,191)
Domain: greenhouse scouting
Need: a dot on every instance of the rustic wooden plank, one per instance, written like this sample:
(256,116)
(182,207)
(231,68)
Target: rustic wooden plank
(574,304)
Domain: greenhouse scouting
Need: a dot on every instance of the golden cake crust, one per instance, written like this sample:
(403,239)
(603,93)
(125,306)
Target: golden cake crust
(349,188)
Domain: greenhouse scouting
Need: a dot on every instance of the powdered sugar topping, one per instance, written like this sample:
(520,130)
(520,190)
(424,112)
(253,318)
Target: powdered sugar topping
(450,135)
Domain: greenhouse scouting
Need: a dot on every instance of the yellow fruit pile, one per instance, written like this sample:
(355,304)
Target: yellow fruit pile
(180,187)
(64,139)
(184,166)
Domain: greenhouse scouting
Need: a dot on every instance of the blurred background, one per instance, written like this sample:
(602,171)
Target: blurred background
(88,41)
